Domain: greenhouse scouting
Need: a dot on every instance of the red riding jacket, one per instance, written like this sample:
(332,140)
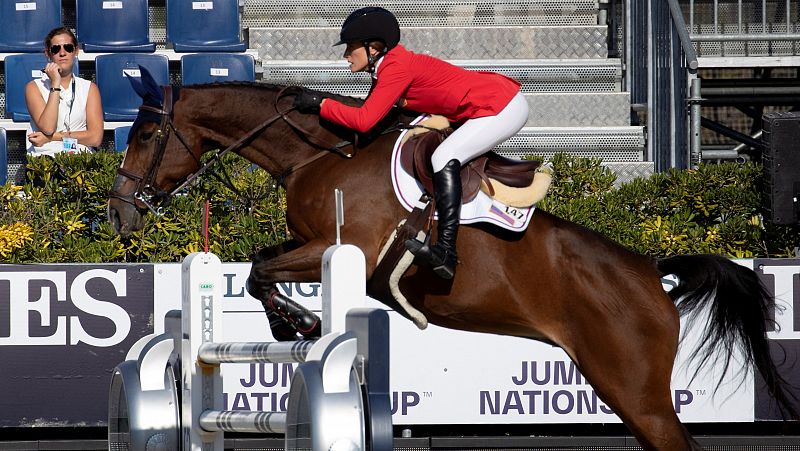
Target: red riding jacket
(428,85)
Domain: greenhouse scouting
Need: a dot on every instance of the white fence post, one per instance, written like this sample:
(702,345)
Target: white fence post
(202,323)
(344,285)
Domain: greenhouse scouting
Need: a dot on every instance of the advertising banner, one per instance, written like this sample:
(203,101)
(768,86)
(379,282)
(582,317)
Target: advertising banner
(63,329)
(781,277)
(454,377)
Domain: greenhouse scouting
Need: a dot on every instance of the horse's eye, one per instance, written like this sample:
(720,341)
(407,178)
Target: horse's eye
(145,136)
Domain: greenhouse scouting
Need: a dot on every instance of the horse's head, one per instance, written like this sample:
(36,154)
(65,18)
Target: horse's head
(158,158)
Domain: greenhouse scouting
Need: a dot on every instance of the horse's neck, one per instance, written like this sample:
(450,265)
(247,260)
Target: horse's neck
(240,110)
(280,148)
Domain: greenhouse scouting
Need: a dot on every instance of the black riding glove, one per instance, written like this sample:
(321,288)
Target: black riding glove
(308,102)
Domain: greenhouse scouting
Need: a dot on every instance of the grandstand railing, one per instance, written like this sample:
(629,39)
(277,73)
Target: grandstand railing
(719,34)
(733,27)
(671,63)
(422,13)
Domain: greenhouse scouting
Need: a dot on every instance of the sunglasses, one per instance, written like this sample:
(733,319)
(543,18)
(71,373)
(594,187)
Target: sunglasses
(69,48)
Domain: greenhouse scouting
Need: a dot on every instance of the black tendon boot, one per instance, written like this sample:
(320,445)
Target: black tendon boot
(442,255)
(286,317)
(303,320)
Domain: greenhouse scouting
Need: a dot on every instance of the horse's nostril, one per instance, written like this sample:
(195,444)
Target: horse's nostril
(115,219)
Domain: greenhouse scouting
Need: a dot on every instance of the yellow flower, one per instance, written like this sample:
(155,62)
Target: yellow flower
(10,192)
(14,236)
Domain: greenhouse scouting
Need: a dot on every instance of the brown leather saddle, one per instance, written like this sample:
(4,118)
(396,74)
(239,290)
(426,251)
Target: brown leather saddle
(415,158)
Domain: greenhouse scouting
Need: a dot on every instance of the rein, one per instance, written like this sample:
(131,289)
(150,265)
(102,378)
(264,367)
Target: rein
(150,196)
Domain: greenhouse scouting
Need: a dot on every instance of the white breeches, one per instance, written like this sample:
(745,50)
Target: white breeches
(480,135)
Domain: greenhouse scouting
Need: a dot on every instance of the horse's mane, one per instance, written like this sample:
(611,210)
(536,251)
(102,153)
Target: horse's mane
(395,117)
(349,100)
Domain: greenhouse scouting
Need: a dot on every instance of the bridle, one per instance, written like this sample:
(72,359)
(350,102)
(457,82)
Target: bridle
(149,196)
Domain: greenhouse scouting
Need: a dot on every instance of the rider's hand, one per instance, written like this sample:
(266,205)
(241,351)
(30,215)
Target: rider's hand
(308,102)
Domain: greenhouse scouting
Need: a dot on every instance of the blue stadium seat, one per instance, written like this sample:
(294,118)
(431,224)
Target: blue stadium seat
(3,157)
(26,23)
(207,26)
(20,69)
(119,26)
(121,138)
(120,101)
(200,68)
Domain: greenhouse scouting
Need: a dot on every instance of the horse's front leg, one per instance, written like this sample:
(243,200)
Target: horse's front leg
(281,329)
(287,262)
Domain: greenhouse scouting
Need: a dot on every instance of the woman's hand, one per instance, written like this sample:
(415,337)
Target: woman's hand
(308,102)
(52,71)
(38,139)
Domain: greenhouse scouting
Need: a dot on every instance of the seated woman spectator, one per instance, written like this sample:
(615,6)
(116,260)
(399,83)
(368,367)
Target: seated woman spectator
(66,114)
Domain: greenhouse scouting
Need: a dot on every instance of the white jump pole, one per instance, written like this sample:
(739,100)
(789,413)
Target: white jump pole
(202,281)
(344,285)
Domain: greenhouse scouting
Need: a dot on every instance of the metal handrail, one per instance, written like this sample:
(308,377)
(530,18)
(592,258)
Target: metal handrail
(672,73)
(680,26)
(765,35)
(745,37)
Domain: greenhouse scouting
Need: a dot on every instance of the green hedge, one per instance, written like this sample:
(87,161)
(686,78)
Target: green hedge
(714,209)
(61,217)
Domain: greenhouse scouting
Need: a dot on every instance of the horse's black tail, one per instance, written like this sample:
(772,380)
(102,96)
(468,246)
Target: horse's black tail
(739,312)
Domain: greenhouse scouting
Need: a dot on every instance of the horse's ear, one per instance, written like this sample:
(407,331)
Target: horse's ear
(137,86)
(147,79)
(151,85)
(146,86)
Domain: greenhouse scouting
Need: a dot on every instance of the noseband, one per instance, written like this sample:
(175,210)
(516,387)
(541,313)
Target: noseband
(149,196)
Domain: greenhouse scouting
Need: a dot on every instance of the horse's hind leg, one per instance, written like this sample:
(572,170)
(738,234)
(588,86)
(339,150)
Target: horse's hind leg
(629,364)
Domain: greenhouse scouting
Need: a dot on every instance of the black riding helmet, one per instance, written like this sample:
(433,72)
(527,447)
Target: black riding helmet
(369,24)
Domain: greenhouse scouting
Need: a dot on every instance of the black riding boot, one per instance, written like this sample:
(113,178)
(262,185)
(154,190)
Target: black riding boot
(447,192)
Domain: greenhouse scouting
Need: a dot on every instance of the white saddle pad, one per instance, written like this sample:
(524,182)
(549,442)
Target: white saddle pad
(481,209)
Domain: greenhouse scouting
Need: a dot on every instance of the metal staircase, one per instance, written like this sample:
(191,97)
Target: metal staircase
(555,48)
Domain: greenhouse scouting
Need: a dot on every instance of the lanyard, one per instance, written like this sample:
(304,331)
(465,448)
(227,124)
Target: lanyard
(71,103)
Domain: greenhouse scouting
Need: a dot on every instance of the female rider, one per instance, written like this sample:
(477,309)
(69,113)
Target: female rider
(487,107)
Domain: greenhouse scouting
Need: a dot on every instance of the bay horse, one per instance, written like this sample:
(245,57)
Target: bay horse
(556,282)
